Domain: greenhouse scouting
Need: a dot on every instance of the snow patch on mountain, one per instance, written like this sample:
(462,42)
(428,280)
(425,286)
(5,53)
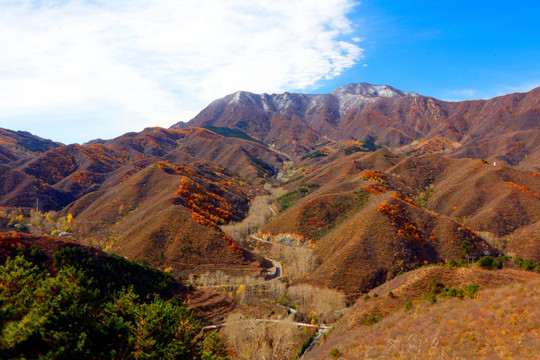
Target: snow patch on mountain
(343,99)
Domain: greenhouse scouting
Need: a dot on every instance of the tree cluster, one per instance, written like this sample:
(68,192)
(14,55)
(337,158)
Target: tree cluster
(91,307)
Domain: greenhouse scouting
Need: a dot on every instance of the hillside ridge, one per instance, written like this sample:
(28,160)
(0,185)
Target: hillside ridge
(504,128)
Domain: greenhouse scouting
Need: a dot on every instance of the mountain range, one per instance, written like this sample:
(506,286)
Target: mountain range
(504,128)
(374,182)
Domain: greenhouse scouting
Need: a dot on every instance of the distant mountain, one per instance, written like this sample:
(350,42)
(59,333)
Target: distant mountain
(504,128)
(158,195)
(65,173)
(15,145)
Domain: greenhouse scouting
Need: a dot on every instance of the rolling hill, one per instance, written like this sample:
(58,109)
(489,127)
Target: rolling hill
(158,195)
(399,322)
(377,184)
(370,216)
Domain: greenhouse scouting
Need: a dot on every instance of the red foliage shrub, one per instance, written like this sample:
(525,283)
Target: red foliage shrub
(375,189)
(376,176)
(523,189)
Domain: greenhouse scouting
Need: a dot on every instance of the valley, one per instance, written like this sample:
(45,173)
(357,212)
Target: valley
(359,219)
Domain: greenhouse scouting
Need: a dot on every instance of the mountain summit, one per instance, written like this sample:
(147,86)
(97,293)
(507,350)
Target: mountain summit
(503,128)
(345,97)
(371,91)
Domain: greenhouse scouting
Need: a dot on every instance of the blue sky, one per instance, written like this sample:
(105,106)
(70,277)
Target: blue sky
(76,70)
(452,50)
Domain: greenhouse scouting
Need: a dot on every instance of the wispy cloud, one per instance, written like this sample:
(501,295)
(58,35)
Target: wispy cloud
(460,95)
(157,62)
(474,94)
(524,87)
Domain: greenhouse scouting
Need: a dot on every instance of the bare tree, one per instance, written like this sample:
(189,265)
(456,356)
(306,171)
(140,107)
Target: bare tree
(253,339)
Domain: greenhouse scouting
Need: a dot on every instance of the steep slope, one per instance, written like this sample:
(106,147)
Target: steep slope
(65,173)
(15,145)
(503,128)
(294,122)
(167,215)
(358,213)
(498,322)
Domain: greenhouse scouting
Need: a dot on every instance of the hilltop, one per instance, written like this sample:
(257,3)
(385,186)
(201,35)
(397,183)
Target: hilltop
(504,128)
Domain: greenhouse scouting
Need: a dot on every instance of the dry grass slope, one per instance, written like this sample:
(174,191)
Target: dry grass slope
(501,322)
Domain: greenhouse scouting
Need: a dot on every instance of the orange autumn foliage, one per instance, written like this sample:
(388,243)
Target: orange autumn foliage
(435,145)
(207,207)
(176,169)
(86,178)
(523,189)
(407,200)
(376,176)
(406,229)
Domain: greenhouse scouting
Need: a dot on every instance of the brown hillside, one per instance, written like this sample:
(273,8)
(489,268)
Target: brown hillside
(367,225)
(17,145)
(250,160)
(64,174)
(386,237)
(499,202)
(147,217)
(365,231)
(504,128)
(500,322)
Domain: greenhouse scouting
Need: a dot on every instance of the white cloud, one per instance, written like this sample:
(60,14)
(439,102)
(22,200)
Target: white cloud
(464,93)
(474,94)
(524,87)
(158,62)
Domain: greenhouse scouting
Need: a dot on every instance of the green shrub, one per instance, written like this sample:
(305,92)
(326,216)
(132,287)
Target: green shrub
(285,201)
(408,305)
(55,232)
(453,263)
(236,133)
(466,247)
(471,290)
(450,292)
(485,262)
(435,286)
(335,353)
(21,227)
(430,297)
(527,264)
(305,346)
(315,154)
(371,319)
(213,348)
(423,196)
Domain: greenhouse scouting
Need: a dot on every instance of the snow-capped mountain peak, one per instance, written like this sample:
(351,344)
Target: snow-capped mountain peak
(370,91)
